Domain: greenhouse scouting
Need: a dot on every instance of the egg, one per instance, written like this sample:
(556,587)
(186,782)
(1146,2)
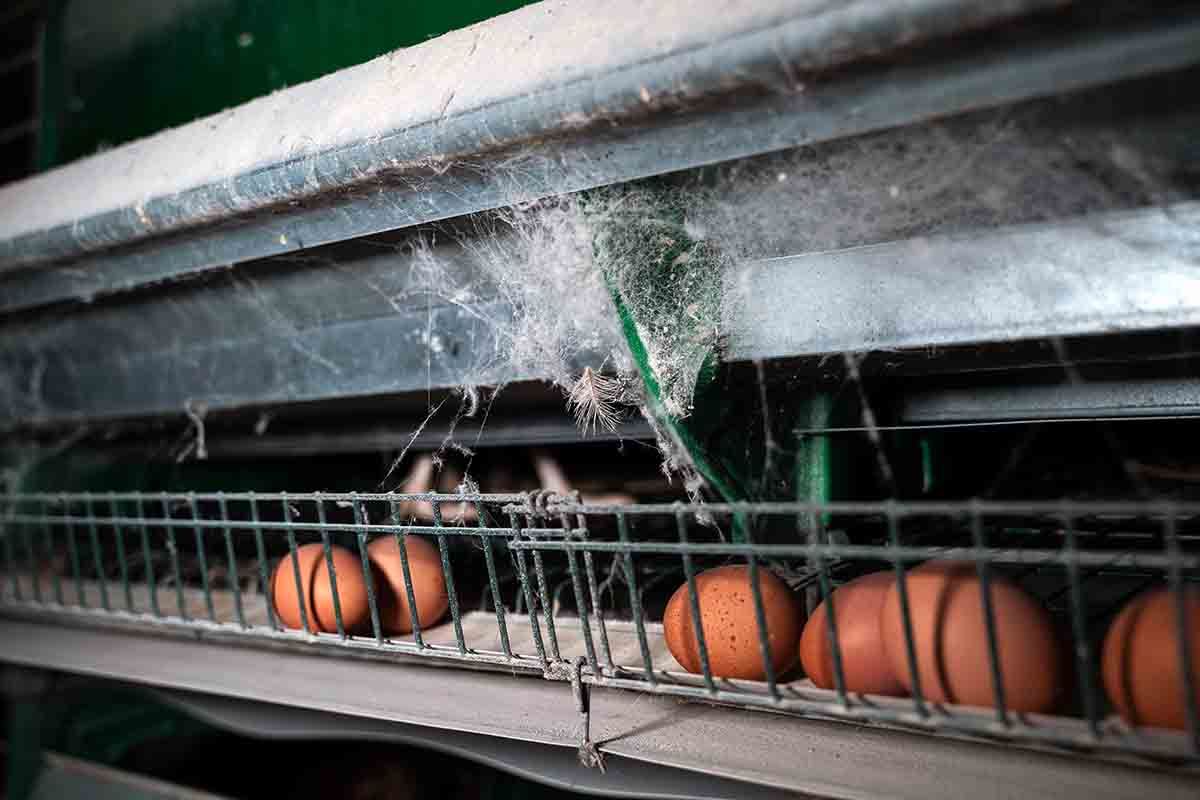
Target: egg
(729,623)
(1140,661)
(949,634)
(428,583)
(316,589)
(865,666)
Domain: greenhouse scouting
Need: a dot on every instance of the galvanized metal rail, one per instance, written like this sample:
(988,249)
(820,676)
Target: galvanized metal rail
(1124,271)
(629,106)
(323,163)
(1127,399)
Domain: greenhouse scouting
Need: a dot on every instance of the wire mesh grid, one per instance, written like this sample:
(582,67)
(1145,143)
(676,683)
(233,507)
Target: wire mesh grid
(544,584)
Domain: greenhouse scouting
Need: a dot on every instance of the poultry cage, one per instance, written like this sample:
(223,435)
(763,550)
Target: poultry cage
(562,594)
(560,589)
(877,322)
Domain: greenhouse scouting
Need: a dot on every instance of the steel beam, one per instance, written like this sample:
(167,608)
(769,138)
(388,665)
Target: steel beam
(1129,271)
(697,92)
(1098,399)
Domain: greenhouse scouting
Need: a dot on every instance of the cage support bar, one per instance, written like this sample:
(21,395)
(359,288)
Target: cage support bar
(839,761)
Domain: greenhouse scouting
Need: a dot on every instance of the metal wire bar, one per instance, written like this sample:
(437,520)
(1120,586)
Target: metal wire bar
(910,647)
(173,552)
(361,518)
(635,602)
(872,552)
(523,578)
(448,574)
(816,531)
(231,556)
(202,560)
(261,555)
(555,505)
(594,591)
(122,563)
(694,603)
(989,620)
(1183,646)
(32,560)
(500,499)
(97,558)
(906,508)
(73,557)
(489,560)
(401,538)
(992,423)
(301,596)
(10,564)
(295,525)
(539,569)
(1081,648)
(333,586)
(1134,558)
(148,559)
(585,627)
(55,581)
(760,616)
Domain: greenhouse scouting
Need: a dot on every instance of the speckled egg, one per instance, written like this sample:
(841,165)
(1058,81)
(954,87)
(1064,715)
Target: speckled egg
(730,628)
(428,583)
(1140,662)
(316,589)
(949,633)
(865,666)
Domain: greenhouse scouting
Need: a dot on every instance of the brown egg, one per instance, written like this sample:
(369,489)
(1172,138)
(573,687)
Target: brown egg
(730,629)
(429,584)
(1140,663)
(950,639)
(317,589)
(865,666)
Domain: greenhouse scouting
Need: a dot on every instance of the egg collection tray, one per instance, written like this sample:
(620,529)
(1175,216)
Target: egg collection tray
(571,591)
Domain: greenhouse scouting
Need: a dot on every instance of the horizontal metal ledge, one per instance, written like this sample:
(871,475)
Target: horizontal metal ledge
(1132,398)
(1115,272)
(232,346)
(536,145)
(533,430)
(549,764)
(518,77)
(381,355)
(820,758)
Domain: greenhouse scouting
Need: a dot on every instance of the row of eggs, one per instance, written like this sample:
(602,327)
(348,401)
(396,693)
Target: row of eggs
(949,637)
(945,611)
(301,583)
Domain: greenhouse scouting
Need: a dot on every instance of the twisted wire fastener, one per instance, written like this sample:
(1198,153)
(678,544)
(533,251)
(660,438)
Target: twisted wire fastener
(589,755)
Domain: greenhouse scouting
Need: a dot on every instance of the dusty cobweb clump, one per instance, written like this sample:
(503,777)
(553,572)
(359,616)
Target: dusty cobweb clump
(666,283)
(561,285)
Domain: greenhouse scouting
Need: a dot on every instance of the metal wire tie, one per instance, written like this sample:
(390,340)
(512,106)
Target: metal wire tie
(589,754)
